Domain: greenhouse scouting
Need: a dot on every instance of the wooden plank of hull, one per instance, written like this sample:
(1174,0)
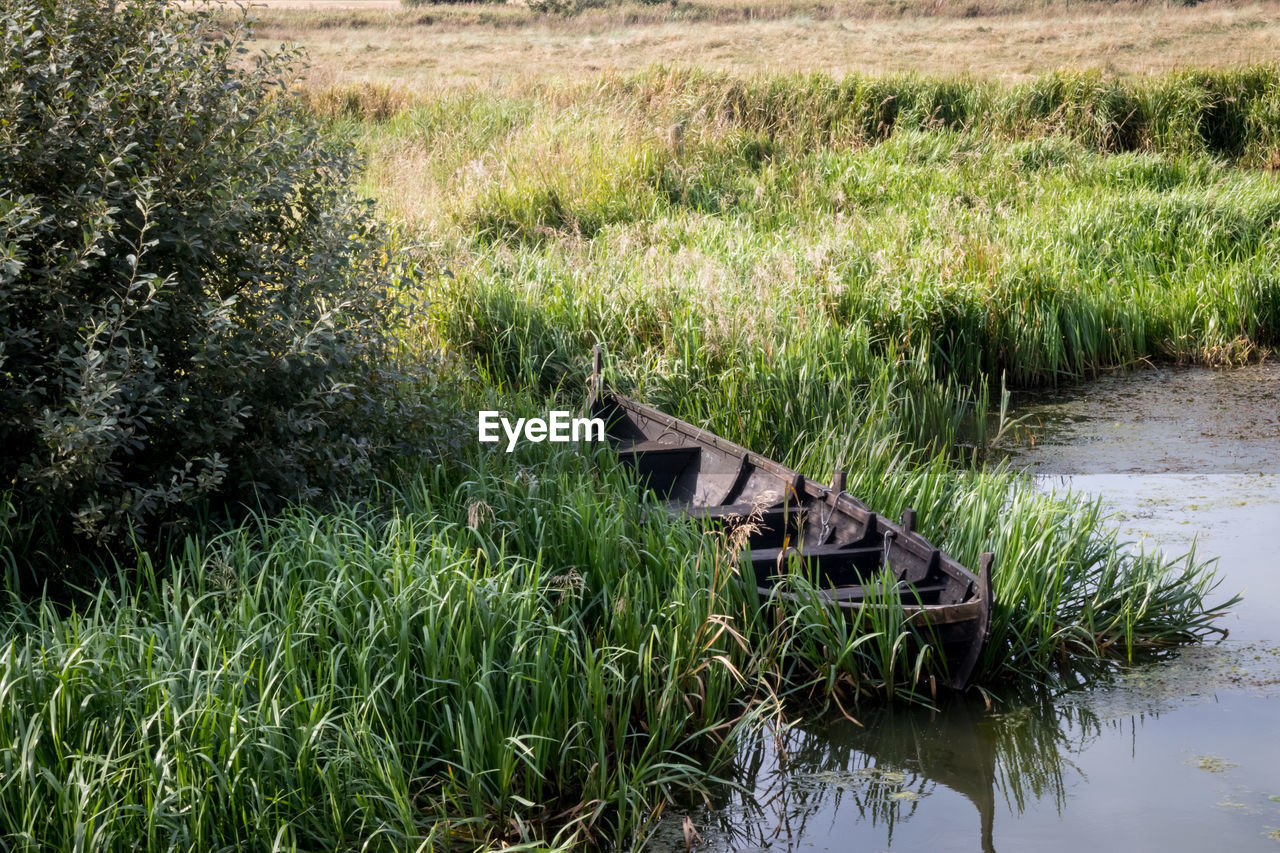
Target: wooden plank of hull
(702,475)
(960,630)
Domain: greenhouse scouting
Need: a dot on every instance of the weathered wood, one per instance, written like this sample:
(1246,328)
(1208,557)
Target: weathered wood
(794,524)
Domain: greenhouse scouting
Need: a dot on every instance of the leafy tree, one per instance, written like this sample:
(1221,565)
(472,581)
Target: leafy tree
(192,302)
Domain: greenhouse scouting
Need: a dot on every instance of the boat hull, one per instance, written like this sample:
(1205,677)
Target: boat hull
(846,550)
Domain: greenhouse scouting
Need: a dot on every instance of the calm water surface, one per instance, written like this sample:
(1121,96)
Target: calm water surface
(1178,756)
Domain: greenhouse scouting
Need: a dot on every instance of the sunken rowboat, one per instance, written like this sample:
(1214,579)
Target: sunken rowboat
(797,523)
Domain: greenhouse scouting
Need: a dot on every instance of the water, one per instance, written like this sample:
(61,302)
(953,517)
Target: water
(1183,755)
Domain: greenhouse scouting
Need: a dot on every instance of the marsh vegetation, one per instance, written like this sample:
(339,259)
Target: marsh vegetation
(476,647)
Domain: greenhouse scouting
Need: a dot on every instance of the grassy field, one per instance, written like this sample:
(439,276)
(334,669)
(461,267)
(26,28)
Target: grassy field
(434,46)
(1037,232)
(438,675)
(836,271)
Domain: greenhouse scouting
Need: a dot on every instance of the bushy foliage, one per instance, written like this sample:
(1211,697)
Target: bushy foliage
(190,298)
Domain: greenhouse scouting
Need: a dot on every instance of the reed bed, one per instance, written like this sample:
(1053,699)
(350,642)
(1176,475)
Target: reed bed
(512,648)
(503,649)
(467,668)
(1019,231)
(855,300)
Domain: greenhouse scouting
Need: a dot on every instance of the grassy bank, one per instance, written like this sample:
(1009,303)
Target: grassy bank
(1041,232)
(501,649)
(508,648)
(768,259)
(462,669)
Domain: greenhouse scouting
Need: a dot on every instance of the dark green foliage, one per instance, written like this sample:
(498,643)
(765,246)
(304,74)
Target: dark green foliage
(189,297)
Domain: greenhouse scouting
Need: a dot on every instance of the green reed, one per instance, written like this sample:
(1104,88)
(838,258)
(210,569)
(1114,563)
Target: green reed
(1013,241)
(514,649)
(495,655)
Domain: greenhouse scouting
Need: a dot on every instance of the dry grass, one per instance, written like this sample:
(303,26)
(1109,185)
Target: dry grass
(445,45)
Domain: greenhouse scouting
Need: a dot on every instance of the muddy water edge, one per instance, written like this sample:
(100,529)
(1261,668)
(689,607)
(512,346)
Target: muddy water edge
(1179,755)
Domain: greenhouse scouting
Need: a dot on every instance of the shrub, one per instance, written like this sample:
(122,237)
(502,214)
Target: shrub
(190,297)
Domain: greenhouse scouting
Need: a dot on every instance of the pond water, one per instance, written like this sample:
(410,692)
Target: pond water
(1182,755)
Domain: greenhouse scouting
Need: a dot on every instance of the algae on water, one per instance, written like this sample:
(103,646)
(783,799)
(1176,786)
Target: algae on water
(1213,764)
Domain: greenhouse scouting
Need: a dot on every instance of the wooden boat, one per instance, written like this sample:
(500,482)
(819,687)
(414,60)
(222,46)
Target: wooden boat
(802,524)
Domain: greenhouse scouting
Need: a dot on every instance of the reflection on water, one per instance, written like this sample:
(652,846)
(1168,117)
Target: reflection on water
(883,771)
(1180,755)
(1128,767)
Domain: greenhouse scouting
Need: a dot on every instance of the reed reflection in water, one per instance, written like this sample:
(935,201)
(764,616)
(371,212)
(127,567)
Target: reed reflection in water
(871,778)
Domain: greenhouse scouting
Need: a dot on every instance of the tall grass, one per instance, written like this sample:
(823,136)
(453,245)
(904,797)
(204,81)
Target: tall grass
(835,304)
(504,649)
(498,655)
(514,648)
(1230,113)
(998,230)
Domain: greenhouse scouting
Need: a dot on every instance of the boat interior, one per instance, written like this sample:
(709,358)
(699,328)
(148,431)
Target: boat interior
(790,523)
